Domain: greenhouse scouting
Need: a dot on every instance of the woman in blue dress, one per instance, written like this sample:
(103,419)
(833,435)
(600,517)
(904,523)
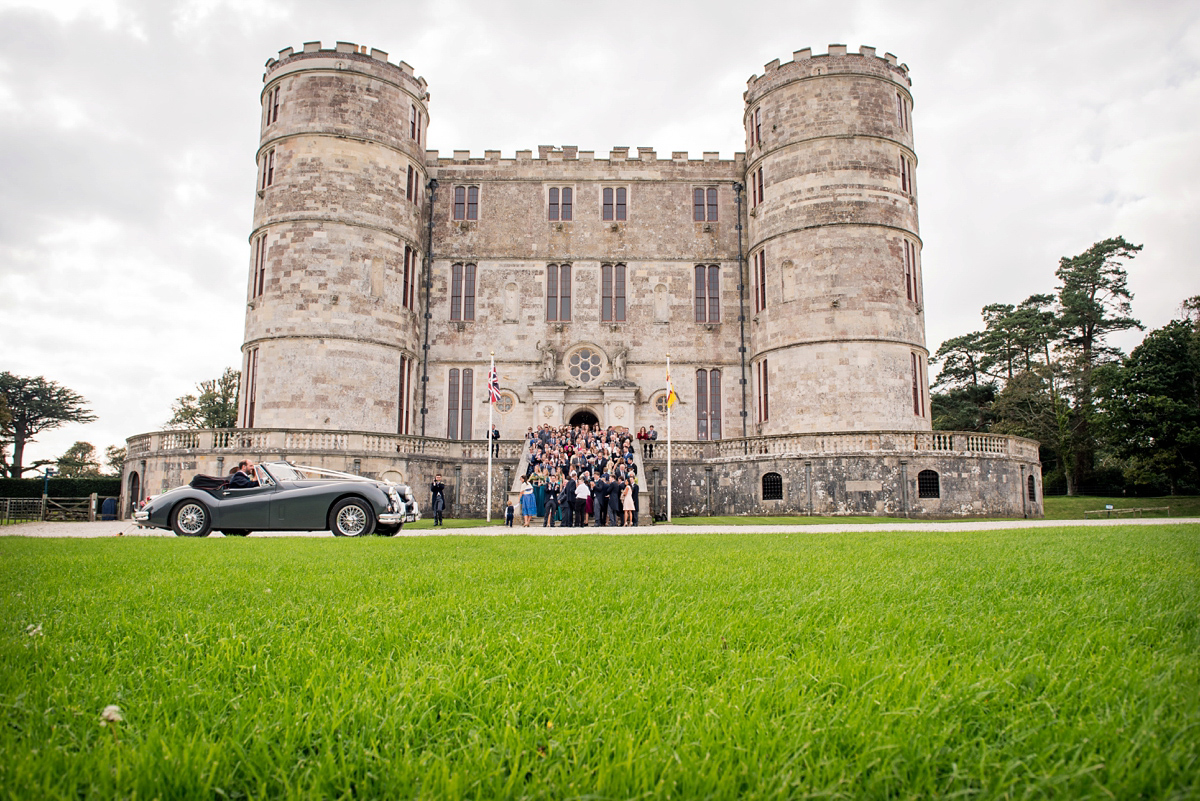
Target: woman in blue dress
(528,504)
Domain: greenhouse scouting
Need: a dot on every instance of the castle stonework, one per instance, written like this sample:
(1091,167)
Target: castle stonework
(784,284)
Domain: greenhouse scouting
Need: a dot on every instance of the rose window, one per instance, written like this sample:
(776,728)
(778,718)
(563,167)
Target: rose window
(505,404)
(660,403)
(584,365)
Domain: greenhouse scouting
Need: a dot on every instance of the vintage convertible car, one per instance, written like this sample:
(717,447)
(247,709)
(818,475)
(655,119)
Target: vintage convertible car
(288,497)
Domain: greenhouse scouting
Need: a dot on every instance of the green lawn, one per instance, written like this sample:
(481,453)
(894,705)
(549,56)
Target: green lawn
(1057,508)
(1061,662)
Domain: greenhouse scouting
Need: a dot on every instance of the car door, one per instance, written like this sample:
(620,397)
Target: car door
(247,508)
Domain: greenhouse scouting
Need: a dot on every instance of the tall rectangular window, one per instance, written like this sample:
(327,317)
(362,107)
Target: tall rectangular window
(268,173)
(467,391)
(466,202)
(708,404)
(906,176)
(251,386)
(259,280)
(764,395)
(761,196)
(452,397)
(910,281)
(902,114)
(758,126)
(402,398)
(708,293)
(415,122)
(561,203)
(558,293)
(614,206)
(704,204)
(273,106)
(410,275)
(408,187)
(406,293)
(462,291)
(459,404)
(916,391)
(612,292)
(759,268)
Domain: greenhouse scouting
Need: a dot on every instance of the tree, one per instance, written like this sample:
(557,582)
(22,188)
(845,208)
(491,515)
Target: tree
(966,408)
(1148,408)
(36,405)
(114,459)
(1094,301)
(79,461)
(214,406)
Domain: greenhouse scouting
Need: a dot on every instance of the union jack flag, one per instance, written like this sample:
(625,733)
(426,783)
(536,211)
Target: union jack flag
(493,386)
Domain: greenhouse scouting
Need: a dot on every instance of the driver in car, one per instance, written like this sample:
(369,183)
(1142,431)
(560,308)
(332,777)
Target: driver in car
(244,477)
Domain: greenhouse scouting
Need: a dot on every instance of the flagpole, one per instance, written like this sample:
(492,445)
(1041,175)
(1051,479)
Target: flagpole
(491,406)
(670,389)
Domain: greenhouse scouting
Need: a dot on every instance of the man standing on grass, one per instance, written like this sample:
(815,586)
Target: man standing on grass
(437,500)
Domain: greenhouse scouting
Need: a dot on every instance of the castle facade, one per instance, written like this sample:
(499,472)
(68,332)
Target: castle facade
(783,284)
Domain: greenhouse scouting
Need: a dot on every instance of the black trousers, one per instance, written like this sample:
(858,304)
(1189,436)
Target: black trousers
(551,509)
(577,509)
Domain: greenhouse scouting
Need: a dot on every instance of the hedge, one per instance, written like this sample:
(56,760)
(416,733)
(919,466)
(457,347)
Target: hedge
(60,487)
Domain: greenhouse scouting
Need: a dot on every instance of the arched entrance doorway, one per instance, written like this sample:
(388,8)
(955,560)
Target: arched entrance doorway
(134,494)
(584,418)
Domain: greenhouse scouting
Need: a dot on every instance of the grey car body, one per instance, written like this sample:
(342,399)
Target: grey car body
(288,498)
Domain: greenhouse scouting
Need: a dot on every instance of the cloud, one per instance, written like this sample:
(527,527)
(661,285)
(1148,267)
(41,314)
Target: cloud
(128,130)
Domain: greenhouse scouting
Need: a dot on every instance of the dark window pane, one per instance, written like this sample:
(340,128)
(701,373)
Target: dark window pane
(712,204)
(714,295)
(467,389)
(553,203)
(460,202)
(606,292)
(619,293)
(608,204)
(456,292)
(564,293)
(701,404)
(567,202)
(714,404)
(552,292)
(473,203)
(928,484)
(698,205)
(772,487)
(452,406)
(469,293)
(621,203)
(701,304)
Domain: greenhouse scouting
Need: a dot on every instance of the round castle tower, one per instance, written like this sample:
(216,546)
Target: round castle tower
(332,332)
(834,292)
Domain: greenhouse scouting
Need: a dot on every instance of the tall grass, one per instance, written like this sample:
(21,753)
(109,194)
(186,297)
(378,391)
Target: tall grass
(1037,663)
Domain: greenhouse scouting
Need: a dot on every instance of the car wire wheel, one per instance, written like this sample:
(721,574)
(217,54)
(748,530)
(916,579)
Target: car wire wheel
(191,520)
(352,518)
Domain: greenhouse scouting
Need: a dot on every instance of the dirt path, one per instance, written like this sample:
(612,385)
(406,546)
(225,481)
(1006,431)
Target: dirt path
(125,528)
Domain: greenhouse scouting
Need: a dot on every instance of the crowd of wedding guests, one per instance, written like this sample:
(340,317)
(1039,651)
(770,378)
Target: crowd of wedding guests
(580,476)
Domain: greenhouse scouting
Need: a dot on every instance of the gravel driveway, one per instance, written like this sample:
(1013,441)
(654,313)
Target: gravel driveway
(128,529)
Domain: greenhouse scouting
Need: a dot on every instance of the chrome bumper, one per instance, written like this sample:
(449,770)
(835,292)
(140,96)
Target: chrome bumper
(141,516)
(388,518)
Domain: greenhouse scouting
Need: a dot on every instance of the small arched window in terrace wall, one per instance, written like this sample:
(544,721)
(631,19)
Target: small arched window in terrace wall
(772,487)
(928,484)
(1032,489)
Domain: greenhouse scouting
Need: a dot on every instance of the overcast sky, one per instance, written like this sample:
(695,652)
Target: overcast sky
(128,131)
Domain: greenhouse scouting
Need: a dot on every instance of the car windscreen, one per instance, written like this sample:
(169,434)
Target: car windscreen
(280,471)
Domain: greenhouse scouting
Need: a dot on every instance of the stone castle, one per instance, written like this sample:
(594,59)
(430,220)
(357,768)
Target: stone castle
(784,285)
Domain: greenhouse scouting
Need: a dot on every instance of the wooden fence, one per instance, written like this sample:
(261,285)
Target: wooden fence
(24,510)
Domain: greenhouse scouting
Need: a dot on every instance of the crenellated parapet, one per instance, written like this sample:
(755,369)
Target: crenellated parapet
(806,65)
(618,158)
(347,55)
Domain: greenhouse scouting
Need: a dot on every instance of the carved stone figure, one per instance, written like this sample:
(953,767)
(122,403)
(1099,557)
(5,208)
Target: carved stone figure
(618,364)
(549,362)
